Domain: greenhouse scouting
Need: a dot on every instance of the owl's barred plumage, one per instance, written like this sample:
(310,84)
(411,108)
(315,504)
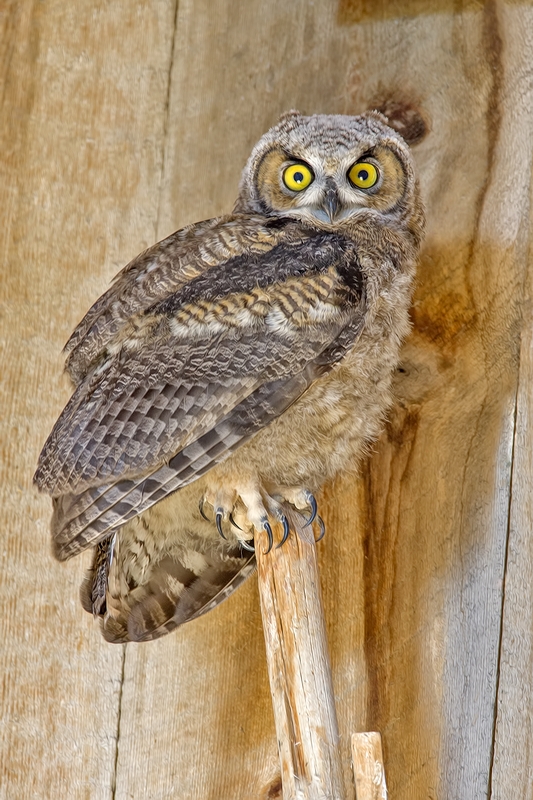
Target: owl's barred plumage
(241,361)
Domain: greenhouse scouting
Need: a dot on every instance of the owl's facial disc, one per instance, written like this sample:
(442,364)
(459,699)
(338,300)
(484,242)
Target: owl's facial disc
(330,190)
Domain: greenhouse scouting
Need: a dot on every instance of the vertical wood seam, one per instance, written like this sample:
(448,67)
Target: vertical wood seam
(502,607)
(494,49)
(166,117)
(119,715)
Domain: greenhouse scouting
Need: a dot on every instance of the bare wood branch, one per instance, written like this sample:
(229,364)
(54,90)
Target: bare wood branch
(368,768)
(299,667)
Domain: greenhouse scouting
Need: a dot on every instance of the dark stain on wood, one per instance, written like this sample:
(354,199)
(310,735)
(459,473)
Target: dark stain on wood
(274,791)
(493,52)
(387,469)
(403,115)
(354,12)
(443,317)
(493,49)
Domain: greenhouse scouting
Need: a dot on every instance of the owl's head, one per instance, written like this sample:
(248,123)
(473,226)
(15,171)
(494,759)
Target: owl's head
(326,170)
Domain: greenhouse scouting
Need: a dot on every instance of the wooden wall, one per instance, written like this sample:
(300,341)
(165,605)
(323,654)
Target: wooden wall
(119,123)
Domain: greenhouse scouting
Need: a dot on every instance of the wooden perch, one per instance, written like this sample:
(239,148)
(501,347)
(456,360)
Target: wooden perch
(368,769)
(298,665)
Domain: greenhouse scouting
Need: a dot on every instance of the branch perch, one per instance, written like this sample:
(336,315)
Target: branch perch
(298,665)
(368,769)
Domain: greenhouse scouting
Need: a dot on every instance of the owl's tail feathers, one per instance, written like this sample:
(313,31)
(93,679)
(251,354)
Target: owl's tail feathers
(172,594)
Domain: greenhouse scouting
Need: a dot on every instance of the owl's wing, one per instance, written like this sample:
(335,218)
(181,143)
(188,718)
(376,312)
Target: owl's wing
(188,380)
(163,269)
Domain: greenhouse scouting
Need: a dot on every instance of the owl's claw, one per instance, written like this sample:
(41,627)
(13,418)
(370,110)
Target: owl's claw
(284,521)
(231,519)
(253,508)
(201,509)
(268,529)
(312,503)
(218,521)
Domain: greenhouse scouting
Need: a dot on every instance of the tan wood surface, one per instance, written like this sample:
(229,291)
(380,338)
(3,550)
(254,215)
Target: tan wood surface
(298,662)
(83,88)
(119,123)
(368,766)
(512,774)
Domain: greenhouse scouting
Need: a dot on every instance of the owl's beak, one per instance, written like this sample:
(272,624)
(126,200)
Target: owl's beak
(331,202)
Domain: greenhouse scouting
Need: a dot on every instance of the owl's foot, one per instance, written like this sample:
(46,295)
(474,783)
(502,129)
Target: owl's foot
(241,512)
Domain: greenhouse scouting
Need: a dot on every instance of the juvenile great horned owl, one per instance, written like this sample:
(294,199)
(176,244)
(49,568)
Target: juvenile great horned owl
(242,361)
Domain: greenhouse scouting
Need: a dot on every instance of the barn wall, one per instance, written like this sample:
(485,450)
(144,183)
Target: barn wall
(121,122)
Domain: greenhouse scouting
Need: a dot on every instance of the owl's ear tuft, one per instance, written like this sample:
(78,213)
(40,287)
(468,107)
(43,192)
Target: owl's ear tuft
(375,114)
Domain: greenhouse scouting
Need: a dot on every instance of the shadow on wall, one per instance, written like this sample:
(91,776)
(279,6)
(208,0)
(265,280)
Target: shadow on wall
(355,12)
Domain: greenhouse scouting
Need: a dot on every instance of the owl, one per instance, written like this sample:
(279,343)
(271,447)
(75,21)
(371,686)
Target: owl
(232,368)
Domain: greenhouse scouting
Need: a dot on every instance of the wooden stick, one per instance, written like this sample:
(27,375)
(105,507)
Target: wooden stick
(368,769)
(298,665)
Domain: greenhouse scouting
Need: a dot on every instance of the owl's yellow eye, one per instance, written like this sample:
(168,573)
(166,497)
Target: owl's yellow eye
(364,175)
(297,177)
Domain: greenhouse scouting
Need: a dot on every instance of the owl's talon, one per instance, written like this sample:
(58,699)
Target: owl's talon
(286,529)
(243,510)
(268,529)
(201,509)
(245,546)
(231,519)
(322,528)
(218,522)
(312,503)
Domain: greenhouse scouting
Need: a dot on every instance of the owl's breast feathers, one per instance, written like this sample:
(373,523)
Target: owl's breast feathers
(187,357)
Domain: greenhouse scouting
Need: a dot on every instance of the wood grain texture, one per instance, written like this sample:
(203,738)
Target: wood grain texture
(368,766)
(512,772)
(116,128)
(81,135)
(298,663)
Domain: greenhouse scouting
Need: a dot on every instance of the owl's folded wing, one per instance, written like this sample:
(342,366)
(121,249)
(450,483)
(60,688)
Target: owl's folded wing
(189,380)
(164,269)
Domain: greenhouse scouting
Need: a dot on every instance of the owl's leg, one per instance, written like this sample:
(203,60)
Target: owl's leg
(252,507)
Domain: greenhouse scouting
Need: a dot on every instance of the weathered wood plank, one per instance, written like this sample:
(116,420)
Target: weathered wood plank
(368,766)
(512,773)
(83,90)
(298,663)
(445,505)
